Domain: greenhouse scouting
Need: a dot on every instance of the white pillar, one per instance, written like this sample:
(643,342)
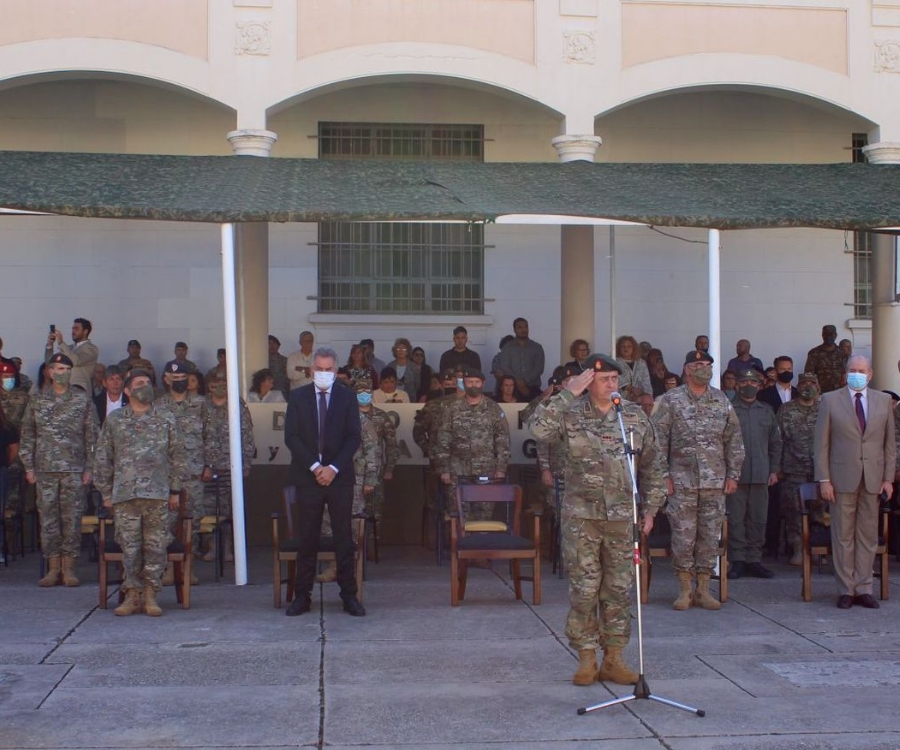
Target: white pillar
(715,314)
(576,259)
(885,309)
(252,142)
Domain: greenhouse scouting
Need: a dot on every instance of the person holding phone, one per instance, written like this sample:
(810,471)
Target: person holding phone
(81,352)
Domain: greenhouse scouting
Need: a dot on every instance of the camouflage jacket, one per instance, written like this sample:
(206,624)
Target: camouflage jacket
(598,481)
(472,439)
(427,423)
(829,366)
(215,436)
(798,425)
(699,437)
(549,453)
(378,429)
(133,363)
(84,356)
(139,456)
(59,432)
(14,404)
(190,415)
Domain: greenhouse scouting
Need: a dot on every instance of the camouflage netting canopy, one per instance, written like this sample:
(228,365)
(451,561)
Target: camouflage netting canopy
(218,189)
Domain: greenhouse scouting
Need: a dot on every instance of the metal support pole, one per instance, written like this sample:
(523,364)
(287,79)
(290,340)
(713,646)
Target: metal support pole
(715,317)
(234,407)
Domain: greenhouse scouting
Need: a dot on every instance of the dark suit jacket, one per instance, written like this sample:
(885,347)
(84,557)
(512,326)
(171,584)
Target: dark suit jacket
(342,433)
(770,396)
(846,456)
(100,403)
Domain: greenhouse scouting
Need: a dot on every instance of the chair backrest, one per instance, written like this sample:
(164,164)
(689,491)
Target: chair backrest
(809,492)
(506,496)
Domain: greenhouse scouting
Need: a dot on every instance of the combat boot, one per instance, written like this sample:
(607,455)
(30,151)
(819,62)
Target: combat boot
(702,597)
(686,582)
(228,554)
(52,576)
(587,667)
(151,608)
(68,572)
(207,548)
(614,669)
(131,604)
(169,576)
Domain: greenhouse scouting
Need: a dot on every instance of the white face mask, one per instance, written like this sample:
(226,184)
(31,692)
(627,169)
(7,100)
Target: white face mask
(323,380)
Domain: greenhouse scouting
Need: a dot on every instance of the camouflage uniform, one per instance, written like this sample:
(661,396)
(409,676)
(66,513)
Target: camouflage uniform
(190,415)
(14,404)
(828,365)
(700,438)
(471,441)
(426,427)
(138,363)
(140,460)
(57,443)
(549,455)
(797,424)
(216,453)
(597,513)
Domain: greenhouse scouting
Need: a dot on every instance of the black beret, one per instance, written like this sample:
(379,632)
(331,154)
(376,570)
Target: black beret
(174,366)
(602,363)
(696,355)
(60,359)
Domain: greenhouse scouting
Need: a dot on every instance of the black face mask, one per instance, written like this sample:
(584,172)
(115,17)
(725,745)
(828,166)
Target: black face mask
(747,392)
(179,386)
(785,377)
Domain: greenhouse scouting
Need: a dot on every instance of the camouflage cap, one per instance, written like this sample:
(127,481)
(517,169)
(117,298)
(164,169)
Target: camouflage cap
(137,372)
(471,372)
(449,373)
(602,363)
(7,368)
(174,367)
(808,377)
(696,355)
(60,359)
(363,384)
(749,374)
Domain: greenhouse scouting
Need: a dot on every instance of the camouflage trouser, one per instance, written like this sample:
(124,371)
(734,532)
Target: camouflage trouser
(142,533)
(599,558)
(193,507)
(222,485)
(60,502)
(747,512)
(14,475)
(432,489)
(696,519)
(473,511)
(790,510)
(361,504)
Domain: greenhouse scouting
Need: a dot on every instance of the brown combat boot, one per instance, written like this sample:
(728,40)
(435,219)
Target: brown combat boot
(68,572)
(52,576)
(614,669)
(587,667)
(169,576)
(686,581)
(131,604)
(151,608)
(702,597)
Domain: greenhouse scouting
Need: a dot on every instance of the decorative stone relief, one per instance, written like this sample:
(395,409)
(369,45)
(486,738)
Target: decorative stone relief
(887,56)
(253,38)
(580,47)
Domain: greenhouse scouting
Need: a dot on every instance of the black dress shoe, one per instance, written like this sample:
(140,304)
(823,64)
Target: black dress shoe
(866,600)
(845,601)
(298,607)
(737,570)
(354,608)
(756,570)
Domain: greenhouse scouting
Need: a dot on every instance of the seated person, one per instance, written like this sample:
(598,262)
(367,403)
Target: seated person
(387,392)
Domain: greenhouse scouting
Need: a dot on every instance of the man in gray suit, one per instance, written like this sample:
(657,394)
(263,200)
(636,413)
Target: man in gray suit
(854,454)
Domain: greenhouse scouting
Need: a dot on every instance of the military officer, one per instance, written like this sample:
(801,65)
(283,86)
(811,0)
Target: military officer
(598,513)
(59,431)
(136,361)
(827,361)
(14,402)
(139,464)
(700,439)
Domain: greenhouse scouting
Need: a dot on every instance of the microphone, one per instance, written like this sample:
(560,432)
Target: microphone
(616,399)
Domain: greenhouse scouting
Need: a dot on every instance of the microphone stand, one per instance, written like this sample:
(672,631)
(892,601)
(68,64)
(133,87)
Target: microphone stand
(641,689)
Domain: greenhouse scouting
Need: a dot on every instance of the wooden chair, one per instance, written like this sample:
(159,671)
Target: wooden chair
(816,540)
(284,550)
(178,553)
(659,544)
(492,540)
(217,523)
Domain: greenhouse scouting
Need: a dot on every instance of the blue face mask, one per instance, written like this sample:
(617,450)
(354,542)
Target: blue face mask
(460,386)
(857,380)
(364,398)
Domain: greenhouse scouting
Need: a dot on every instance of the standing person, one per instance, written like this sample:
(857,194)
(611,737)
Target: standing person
(597,512)
(425,373)
(524,360)
(700,438)
(278,367)
(220,371)
(460,355)
(81,353)
(140,464)
(579,351)
(748,506)
(797,422)
(299,363)
(59,431)
(322,432)
(782,392)
(855,456)
(374,362)
(181,352)
(13,402)
(112,396)
(744,360)
(827,361)
(701,343)
(408,373)
(135,361)
(635,377)
(9,454)
(358,365)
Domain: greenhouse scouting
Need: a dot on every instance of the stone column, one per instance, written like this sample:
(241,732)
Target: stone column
(885,309)
(576,260)
(251,261)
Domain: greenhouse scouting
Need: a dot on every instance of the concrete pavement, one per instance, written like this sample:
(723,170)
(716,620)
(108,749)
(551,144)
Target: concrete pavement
(769,670)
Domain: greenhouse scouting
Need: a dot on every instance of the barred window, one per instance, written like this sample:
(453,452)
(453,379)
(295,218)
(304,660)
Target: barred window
(401,267)
(862,248)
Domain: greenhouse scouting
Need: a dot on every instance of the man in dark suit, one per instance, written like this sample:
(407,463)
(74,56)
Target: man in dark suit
(112,396)
(322,432)
(854,454)
(782,391)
